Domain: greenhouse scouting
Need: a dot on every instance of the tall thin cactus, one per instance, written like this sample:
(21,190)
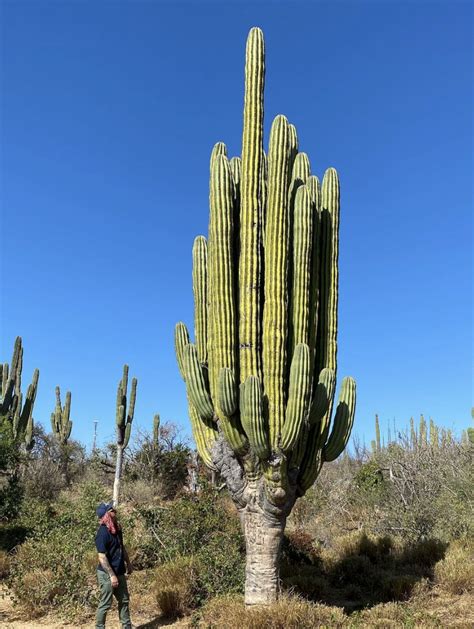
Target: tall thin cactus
(13,409)
(61,422)
(124,421)
(61,425)
(377,434)
(260,376)
(156,432)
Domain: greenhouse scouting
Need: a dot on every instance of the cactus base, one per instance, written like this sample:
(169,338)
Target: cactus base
(263,537)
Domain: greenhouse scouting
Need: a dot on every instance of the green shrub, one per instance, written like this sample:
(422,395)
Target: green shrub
(50,572)
(53,567)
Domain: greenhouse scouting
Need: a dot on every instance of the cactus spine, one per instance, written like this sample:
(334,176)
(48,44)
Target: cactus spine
(124,421)
(260,377)
(12,408)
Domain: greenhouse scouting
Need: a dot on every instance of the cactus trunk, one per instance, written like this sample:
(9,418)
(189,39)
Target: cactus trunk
(263,537)
(118,474)
(124,421)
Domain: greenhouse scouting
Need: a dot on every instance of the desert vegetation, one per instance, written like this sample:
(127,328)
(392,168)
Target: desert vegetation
(365,547)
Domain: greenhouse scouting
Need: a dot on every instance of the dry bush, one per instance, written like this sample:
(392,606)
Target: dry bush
(4,564)
(455,573)
(288,613)
(141,493)
(176,587)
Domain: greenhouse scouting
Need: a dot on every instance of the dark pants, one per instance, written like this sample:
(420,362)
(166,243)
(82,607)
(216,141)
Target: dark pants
(106,593)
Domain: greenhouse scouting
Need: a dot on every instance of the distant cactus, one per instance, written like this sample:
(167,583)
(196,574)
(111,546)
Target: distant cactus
(61,423)
(422,432)
(260,377)
(12,408)
(434,434)
(413,437)
(377,434)
(156,432)
(123,425)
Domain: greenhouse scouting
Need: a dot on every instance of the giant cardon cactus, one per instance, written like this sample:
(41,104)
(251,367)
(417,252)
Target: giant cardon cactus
(260,376)
(124,421)
(12,407)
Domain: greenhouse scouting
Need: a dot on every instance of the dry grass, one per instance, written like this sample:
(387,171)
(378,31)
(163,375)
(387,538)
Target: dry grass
(455,573)
(288,613)
(4,564)
(175,587)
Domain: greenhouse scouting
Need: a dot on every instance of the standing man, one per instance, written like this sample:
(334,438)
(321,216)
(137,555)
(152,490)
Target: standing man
(113,564)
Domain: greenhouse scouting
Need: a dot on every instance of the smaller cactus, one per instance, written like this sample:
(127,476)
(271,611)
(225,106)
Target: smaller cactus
(124,420)
(124,424)
(156,431)
(12,408)
(61,423)
(377,434)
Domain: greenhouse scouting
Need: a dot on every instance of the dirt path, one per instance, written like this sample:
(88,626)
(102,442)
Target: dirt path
(11,618)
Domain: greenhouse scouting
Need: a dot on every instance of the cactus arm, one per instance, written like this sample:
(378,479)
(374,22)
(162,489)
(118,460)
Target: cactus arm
(293,142)
(133,399)
(196,383)
(125,381)
(253,419)
(301,168)
(28,438)
(227,392)
(219,148)
(120,408)
(326,354)
(181,339)
(250,214)
(323,395)
(156,430)
(27,410)
(298,398)
(275,327)
(301,268)
(314,188)
(222,279)
(204,434)
(236,169)
(200,296)
(343,421)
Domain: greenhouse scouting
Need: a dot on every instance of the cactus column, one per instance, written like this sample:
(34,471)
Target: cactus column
(260,377)
(12,408)
(124,425)
(61,425)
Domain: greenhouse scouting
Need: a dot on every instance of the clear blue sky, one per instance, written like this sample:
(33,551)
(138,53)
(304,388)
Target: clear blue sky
(109,112)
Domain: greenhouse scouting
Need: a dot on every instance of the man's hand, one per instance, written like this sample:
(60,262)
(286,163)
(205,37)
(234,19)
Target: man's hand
(114,580)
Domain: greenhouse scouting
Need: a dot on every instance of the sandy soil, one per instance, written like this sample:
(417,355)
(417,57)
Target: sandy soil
(11,618)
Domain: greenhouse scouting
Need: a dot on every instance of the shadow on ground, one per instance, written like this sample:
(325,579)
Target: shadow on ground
(364,574)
